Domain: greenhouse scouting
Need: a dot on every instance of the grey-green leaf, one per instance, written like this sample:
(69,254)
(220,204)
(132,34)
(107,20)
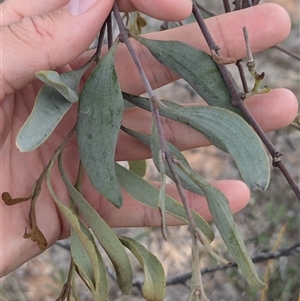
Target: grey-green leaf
(186,182)
(82,260)
(223,218)
(99,119)
(148,195)
(105,235)
(50,107)
(195,66)
(154,283)
(99,279)
(219,208)
(228,131)
(53,79)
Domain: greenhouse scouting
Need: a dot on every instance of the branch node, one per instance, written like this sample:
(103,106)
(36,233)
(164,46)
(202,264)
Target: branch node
(276,158)
(221,60)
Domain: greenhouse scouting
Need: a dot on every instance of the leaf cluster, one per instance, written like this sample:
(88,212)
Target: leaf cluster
(100,112)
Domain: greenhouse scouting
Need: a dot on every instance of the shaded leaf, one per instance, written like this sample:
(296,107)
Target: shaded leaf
(99,280)
(195,66)
(105,235)
(154,283)
(186,182)
(223,218)
(161,162)
(49,109)
(148,195)
(99,120)
(82,260)
(227,131)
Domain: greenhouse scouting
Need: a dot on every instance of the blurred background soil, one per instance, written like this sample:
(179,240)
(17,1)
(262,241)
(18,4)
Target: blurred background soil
(261,222)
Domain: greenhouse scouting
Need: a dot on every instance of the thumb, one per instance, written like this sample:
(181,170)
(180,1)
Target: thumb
(48,41)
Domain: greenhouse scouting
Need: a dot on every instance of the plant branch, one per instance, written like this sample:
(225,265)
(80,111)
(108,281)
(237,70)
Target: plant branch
(226,6)
(292,250)
(109,31)
(100,41)
(182,278)
(155,113)
(291,54)
(237,100)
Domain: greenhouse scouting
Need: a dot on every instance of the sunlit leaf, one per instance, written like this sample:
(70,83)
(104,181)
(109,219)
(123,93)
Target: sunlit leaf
(154,283)
(105,235)
(228,131)
(99,120)
(148,195)
(195,66)
(50,107)
(138,167)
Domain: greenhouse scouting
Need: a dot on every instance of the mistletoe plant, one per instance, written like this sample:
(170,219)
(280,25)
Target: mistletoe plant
(226,123)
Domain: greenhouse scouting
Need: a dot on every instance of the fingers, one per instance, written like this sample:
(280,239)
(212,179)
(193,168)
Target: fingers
(272,111)
(263,28)
(51,37)
(14,11)
(46,42)
(167,10)
(134,214)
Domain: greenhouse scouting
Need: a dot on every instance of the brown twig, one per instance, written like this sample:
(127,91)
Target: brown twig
(237,100)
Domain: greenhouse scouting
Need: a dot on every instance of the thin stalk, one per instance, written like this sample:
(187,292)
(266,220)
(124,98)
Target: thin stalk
(291,54)
(155,113)
(109,31)
(100,40)
(226,6)
(237,100)
(238,63)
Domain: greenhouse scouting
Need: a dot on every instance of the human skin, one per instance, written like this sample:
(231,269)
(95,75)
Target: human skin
(36,36)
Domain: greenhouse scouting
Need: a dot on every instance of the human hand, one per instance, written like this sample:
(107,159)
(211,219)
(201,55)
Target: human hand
(45,35)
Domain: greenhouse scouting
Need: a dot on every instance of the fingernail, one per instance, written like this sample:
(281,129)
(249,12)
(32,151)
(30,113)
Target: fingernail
(78,7)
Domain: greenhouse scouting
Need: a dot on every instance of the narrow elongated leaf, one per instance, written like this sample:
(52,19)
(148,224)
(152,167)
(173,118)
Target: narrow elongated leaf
(82,259)
(105,235)
(161,162)
(219,208)
(195,66)
(170,110)
(155,283)
(99,280)
(99,120)
(223,218)
(148,195)
(227,131)
(50,107)
(186,182)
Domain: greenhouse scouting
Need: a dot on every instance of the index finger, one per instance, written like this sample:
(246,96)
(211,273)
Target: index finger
(263,28)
